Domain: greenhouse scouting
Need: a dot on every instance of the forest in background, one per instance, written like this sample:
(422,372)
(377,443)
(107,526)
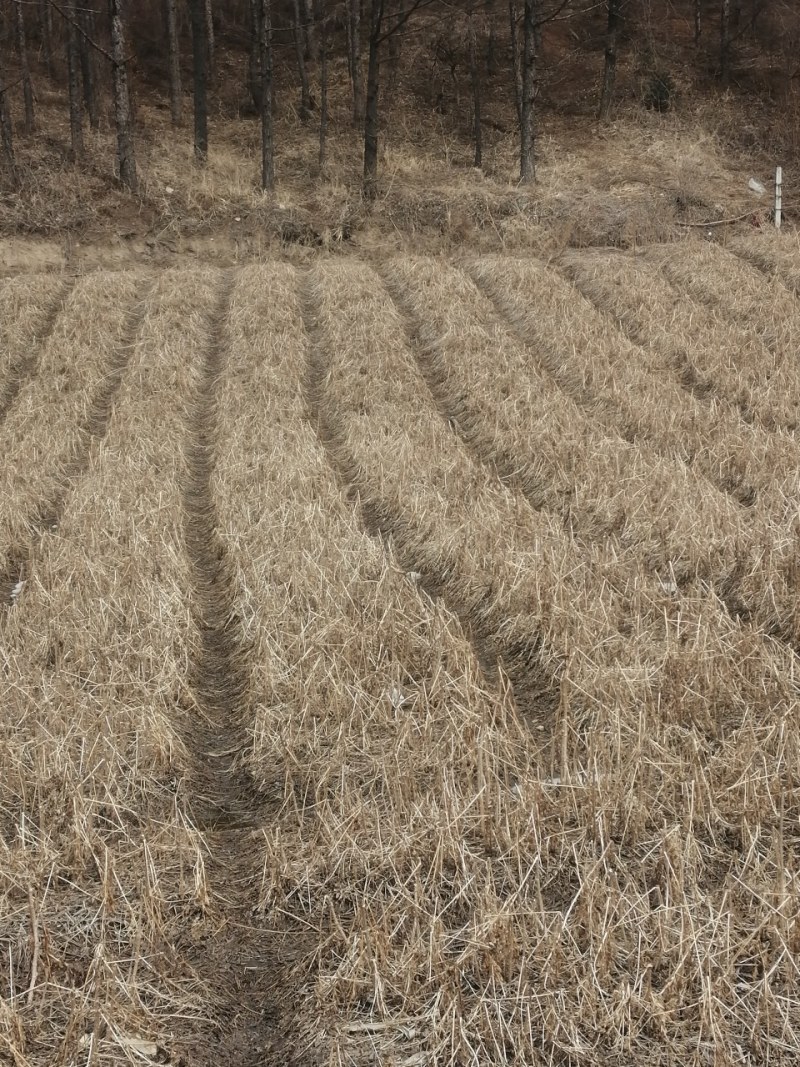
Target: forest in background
(482,69)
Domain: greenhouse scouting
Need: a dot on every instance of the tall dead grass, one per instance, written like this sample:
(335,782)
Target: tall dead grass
(102,884)
(517,419)
(776,254)
(634,387)
(615,888)
(712,357)
(46,429)
(357,678)
(754,305)
(587,356)
(30,308)
(643,899)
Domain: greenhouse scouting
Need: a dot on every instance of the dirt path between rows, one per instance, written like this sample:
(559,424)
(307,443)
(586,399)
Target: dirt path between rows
(245,963)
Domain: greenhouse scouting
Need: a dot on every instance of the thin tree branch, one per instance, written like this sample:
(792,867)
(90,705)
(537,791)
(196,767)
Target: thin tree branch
(93,44)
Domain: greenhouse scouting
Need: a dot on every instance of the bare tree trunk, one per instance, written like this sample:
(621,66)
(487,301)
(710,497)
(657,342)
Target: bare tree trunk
(175,88)
(697,21)
(323,102)
(253,64)
(200,66)
(527,168)
(725,41)
(211,43)
(395,45)
(264,30)
(46,34)
(475,78)
(356,74)
(373,91)
(309,31)
(88,68)
(126,160)
(491,52)
(24,66)
(6,132)
(610,67)
(75,106)
(300,49)
(516,58)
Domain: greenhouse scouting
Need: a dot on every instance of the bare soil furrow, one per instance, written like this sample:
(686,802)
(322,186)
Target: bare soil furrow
(219,669)
(496,638)
(74,462)
(23,366)
(225,800)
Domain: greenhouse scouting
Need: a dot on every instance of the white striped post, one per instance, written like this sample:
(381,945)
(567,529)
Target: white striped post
(778,196)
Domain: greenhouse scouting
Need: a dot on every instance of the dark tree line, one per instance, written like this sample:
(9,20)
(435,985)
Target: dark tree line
(90,48)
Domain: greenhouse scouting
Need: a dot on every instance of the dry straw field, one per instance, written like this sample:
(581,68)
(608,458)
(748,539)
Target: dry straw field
(399,661)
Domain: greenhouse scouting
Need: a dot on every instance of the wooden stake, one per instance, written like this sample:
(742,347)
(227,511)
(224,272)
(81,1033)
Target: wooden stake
(778,196)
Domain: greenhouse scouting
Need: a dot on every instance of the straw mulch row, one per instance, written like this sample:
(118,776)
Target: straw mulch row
(31,307)
(664,699)
(385,681)
(103,877)
(47,431)
(751,559)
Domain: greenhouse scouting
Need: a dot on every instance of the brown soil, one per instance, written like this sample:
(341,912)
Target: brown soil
(250,963)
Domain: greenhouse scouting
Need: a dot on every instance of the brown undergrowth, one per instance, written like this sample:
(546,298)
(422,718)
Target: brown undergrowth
(376,697)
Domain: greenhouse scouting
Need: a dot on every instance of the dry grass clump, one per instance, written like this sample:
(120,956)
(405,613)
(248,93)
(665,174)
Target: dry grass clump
(515,418)
(47,431)
(776,254)
(54,195)
(357,677)
(584,858)
(602,957)
(633,389)
(102,883)
(759,305)
(712,356)
(543,579)
(30,307)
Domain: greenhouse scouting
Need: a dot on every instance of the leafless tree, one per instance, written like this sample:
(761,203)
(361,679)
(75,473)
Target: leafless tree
(211,41)
(175,88)
(309,31)
(86,53)
(610,64)
(46,34)
(24,66)
(353,16)
(199,27)
(75,103)
(6,131)
(725,41)
(263,26)
(126,160)
(527,166)
(516,57)
(323,93)
(301,50)
(475,80)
